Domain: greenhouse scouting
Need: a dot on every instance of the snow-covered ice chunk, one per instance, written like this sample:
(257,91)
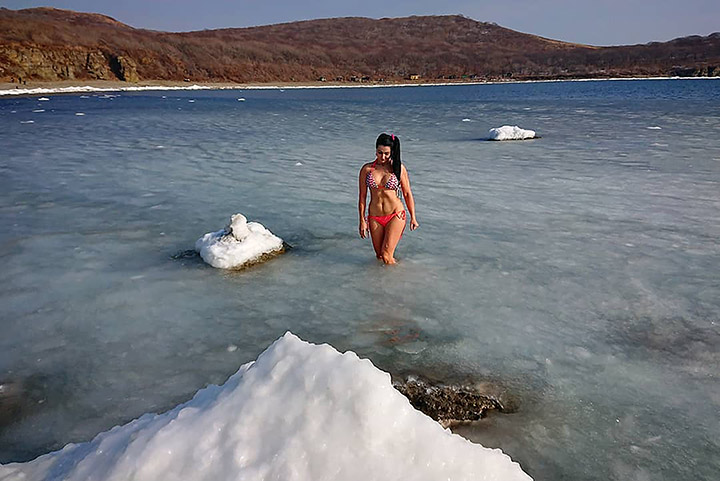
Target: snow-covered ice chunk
(507,132)
(300,412)
(238,227)
(238,244)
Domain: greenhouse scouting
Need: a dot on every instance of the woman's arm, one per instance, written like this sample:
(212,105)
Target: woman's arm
(362,200)
(407,195)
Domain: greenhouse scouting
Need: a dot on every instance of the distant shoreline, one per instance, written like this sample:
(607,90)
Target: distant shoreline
(10,90)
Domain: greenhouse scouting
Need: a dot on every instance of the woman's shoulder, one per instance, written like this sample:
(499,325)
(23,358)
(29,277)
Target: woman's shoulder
(366,166)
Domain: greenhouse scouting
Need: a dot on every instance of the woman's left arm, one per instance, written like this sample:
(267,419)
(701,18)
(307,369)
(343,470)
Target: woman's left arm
(407,195)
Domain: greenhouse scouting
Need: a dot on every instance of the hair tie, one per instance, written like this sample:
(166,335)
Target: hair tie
(393,136)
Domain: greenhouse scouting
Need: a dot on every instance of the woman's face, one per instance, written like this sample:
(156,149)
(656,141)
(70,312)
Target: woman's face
(382,154)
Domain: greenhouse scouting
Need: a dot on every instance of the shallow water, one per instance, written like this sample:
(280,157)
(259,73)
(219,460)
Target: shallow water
(576,273)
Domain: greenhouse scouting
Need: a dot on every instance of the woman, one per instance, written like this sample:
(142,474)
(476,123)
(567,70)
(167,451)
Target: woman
(385,178)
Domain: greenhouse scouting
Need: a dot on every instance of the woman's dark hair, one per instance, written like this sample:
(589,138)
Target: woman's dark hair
(389,140)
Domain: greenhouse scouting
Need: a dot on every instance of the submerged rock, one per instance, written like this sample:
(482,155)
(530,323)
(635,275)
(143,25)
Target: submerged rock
(239,245)
(447,404)
(10,402)
(186,254)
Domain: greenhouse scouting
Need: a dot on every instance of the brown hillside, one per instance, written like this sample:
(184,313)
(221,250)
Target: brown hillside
(52,44)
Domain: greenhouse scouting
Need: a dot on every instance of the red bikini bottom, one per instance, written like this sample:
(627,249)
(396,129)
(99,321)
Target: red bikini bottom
(384,219)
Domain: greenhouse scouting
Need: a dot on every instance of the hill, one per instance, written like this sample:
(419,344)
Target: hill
(50,44)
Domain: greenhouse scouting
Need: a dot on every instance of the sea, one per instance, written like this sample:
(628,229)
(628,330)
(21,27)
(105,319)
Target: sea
(574,276)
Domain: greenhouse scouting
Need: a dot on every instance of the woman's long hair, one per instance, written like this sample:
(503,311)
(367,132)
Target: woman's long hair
(392,141)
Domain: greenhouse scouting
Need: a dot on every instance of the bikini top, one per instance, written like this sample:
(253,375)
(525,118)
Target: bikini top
(391,184)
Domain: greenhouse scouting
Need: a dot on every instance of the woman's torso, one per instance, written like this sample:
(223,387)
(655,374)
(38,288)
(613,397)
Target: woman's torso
(384,190)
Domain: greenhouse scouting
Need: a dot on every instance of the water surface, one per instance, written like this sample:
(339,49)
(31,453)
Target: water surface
(576,273)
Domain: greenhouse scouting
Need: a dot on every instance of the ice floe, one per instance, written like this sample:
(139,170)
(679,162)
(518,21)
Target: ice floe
(300,412)
(508,132)
(239,244)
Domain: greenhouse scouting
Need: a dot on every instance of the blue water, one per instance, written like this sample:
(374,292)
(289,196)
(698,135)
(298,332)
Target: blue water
(574,275)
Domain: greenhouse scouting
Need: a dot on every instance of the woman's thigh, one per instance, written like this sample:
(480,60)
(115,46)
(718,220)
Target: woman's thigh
(393,232)
(377,234)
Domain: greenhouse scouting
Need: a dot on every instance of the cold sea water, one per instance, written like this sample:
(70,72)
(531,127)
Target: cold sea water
(575,276)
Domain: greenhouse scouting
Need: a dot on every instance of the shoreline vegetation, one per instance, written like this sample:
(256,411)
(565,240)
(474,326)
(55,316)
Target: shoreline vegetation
(40,45)
(68,87)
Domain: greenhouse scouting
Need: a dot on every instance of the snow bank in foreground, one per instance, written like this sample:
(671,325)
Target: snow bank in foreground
(507,132)
(240,243)
(300,412)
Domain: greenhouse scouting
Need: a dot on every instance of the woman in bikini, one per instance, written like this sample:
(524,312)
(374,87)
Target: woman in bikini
(385,178)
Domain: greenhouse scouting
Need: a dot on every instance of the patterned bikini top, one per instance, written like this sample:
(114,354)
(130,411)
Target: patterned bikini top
(391,184)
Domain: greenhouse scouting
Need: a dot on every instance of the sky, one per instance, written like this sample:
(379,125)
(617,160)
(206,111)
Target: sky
(593,22)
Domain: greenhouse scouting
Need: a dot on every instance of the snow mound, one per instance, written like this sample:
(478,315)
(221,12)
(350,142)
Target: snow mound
(240,243)
(507,132)
(300,412)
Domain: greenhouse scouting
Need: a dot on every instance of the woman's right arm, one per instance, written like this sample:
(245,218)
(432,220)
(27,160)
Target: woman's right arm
(362,200)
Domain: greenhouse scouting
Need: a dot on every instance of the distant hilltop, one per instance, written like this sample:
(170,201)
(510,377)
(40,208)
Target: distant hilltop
(47,44)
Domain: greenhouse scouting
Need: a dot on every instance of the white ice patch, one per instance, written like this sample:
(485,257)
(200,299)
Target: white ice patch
(507,132)
(87,88)
(240,243)
(300,412)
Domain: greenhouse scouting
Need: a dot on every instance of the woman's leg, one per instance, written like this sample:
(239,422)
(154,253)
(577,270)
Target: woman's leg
(377,234)
(393,232)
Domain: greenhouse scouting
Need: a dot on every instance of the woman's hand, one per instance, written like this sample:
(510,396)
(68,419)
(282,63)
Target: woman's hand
(414,224)
(363,228)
